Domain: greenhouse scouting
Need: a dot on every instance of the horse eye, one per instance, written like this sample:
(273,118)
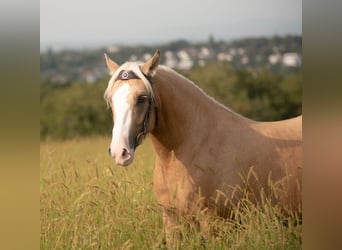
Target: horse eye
(141,99)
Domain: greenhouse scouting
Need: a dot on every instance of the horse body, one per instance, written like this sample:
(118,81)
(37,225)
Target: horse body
(201,146)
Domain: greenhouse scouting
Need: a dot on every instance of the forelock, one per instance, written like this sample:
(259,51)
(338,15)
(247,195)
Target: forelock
(128,66)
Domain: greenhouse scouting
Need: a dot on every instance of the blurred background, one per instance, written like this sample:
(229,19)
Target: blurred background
(245,54)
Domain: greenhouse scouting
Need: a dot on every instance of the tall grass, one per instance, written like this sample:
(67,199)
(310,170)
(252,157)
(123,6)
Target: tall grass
(89,203)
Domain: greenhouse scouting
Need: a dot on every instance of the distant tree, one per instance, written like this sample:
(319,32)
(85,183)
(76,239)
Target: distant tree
(261,95)
(270,96)
(74,110)
(216,79)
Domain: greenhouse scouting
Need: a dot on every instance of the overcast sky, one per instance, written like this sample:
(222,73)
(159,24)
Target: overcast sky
(89,22)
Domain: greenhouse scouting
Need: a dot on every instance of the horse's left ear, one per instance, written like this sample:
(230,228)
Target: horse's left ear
(150,66)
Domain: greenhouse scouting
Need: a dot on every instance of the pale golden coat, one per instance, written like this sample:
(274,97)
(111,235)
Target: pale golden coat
(202,147)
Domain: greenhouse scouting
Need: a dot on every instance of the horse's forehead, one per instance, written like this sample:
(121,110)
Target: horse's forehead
(130,87)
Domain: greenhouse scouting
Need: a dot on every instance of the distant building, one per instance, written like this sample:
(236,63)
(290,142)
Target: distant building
(224,57)
(292,60)
(274,58)
(170,59)
(241,51)
(113,49)
(133,58)
(146,56)
(205,53)
(185,61)
(245,60)
(232,51)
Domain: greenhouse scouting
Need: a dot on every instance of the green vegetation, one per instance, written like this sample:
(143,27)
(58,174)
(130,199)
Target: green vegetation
(77,109)
(74,110)
(89,203)
(259,95)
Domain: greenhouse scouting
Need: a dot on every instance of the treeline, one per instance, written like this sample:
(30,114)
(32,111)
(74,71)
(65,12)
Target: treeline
(259,95)
(73,110)
(77,109)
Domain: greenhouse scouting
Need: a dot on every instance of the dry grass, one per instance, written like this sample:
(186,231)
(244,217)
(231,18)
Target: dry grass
(89,203)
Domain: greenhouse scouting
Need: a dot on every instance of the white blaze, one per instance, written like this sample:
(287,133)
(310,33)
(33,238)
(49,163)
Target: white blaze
(123,119)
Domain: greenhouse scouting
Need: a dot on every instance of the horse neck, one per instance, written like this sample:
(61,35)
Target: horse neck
(185,113)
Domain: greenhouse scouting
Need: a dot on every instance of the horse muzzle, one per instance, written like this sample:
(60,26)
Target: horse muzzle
(121,155)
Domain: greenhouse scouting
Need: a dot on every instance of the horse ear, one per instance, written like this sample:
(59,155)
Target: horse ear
(112,66)
(150,66)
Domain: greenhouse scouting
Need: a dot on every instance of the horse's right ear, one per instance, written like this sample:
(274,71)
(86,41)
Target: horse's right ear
(112,66)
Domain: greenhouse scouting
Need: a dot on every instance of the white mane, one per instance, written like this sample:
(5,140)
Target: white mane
(201,90)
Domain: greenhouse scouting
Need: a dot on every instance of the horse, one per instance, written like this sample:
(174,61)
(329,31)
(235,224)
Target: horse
(201,146)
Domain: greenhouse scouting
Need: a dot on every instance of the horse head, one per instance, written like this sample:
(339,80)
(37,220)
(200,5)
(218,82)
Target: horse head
(131,97)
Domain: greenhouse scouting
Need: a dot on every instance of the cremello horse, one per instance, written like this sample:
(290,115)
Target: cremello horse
(201,146)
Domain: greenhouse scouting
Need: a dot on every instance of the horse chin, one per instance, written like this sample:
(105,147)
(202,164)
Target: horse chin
(122,154)
(125,162)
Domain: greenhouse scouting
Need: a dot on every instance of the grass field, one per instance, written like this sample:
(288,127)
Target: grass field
(87,202)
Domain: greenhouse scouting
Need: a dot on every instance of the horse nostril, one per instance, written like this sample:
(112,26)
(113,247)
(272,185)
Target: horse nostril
(124,152)
(109,151)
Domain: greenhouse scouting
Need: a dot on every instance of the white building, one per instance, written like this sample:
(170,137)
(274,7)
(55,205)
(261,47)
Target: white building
(275,58)
(170,59)
(244,60)
(185,61)
(224,57)
(292,60)
(146,56)
(205,53)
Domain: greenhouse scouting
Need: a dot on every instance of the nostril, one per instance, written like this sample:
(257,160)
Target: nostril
(109,151)
(124,152)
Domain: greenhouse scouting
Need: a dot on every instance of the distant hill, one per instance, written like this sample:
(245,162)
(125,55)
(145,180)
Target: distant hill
(280,54)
